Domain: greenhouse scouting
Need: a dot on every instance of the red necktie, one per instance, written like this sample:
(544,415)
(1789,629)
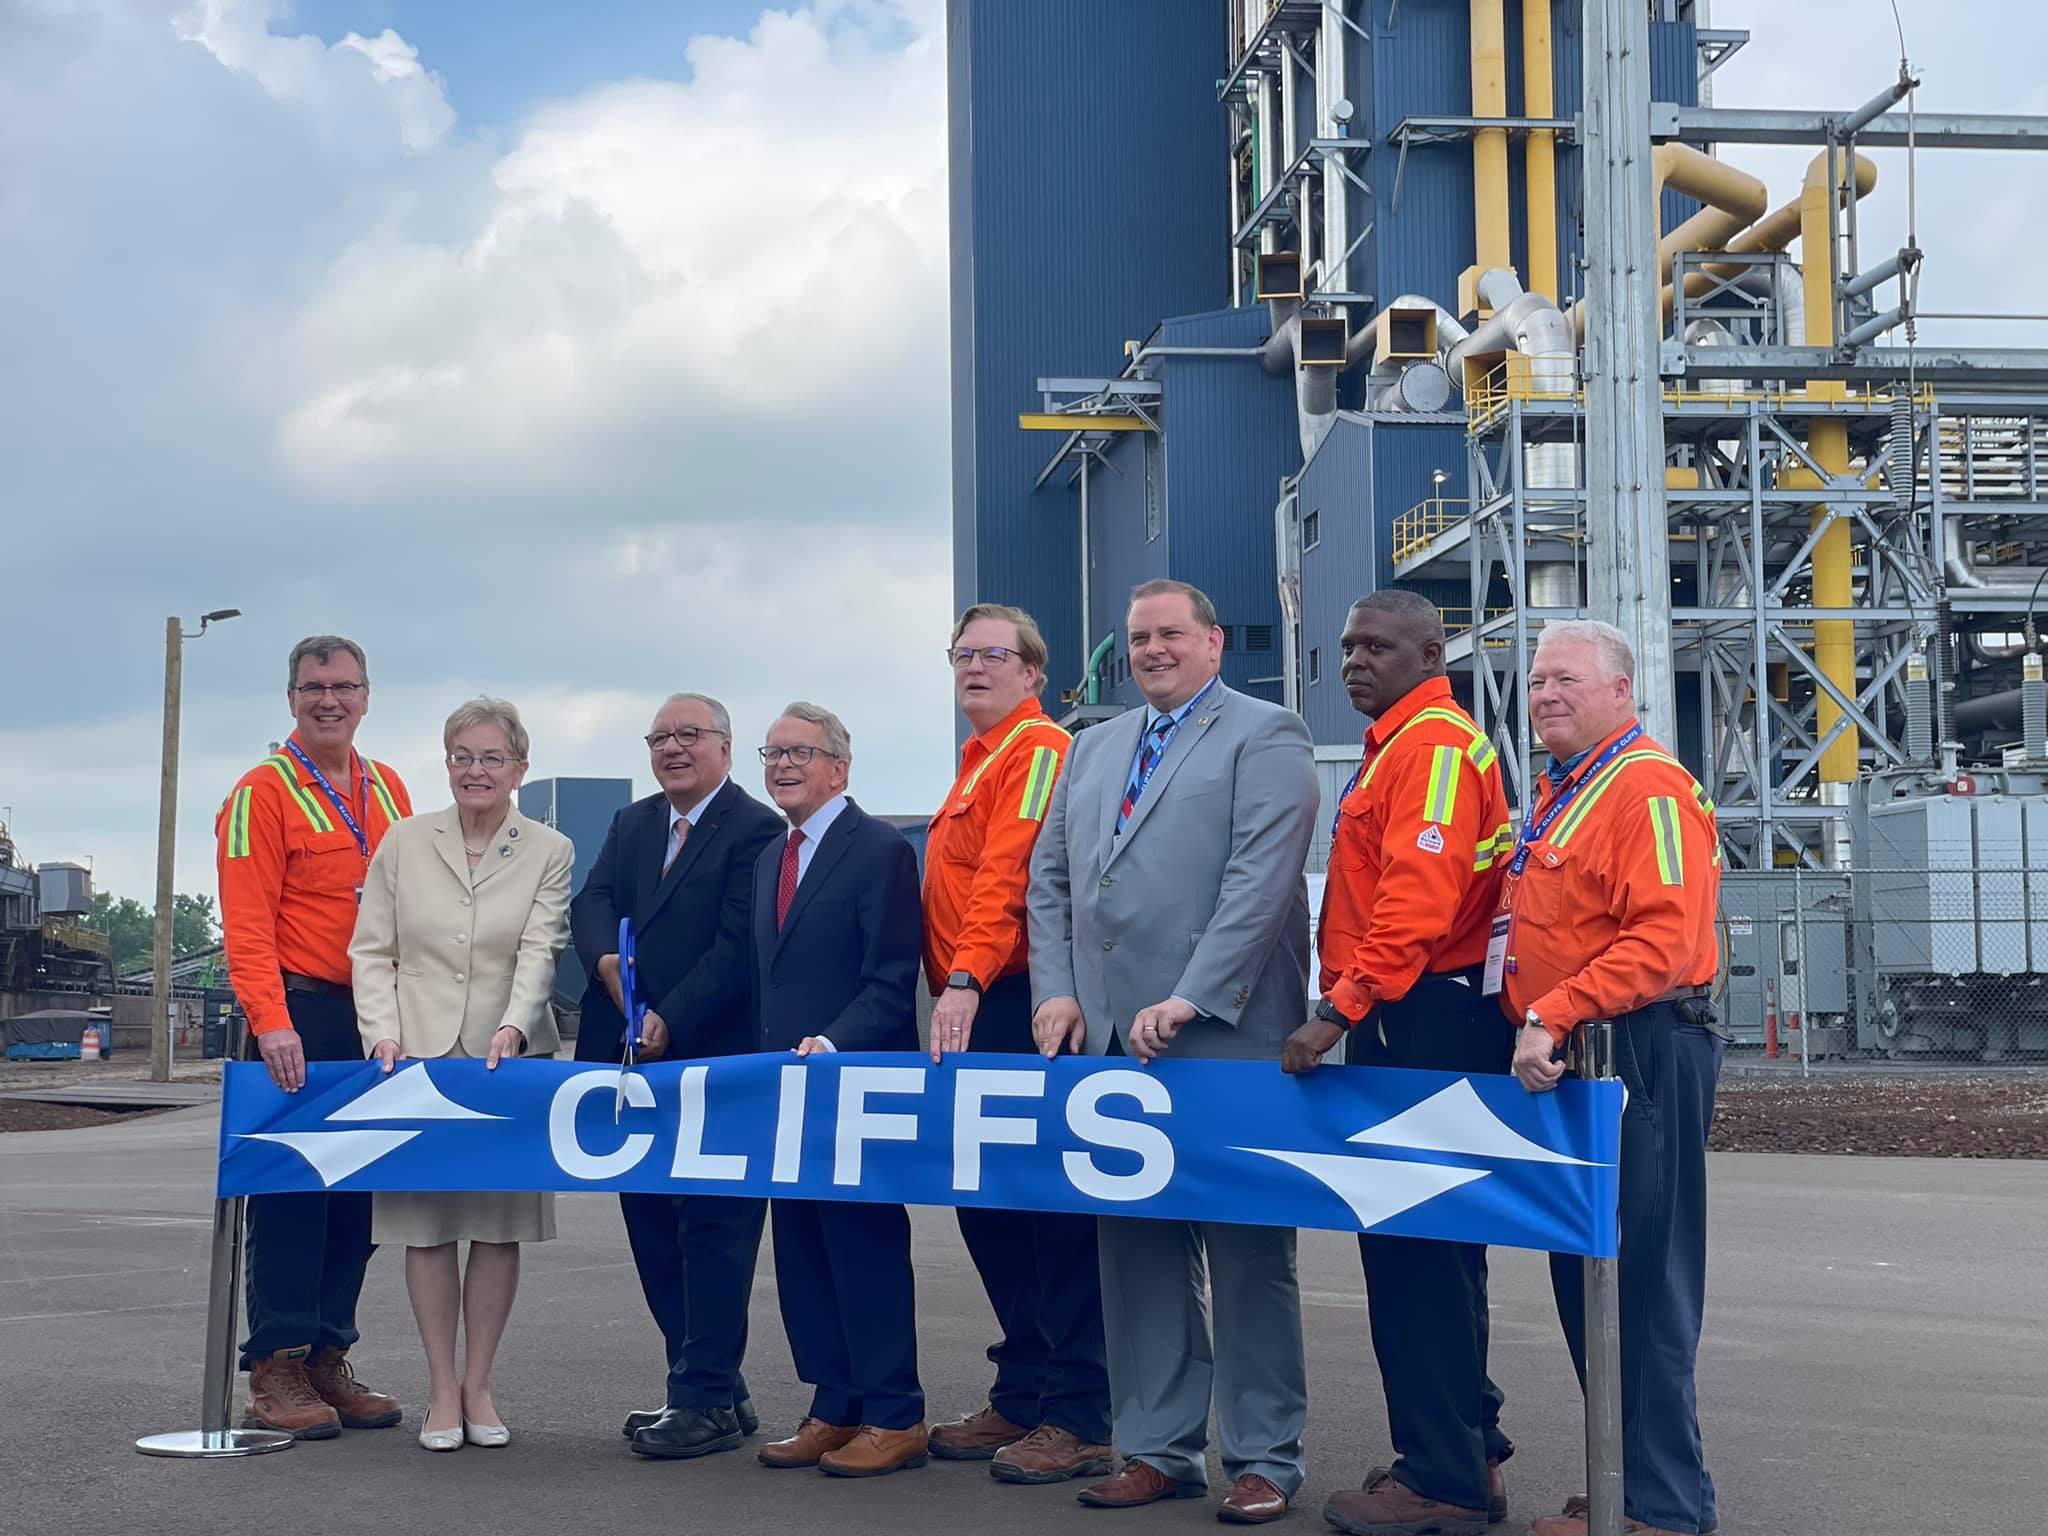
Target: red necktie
(785,885)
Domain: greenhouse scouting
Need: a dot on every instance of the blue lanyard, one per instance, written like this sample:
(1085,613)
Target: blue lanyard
(1534,828)
(1173,729)
(334,799)
(1337,819)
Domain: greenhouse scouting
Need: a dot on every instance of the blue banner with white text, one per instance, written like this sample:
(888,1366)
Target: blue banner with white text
(1473,1159)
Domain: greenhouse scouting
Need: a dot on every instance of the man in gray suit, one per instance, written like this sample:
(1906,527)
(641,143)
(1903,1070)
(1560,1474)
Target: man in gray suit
(1168,912)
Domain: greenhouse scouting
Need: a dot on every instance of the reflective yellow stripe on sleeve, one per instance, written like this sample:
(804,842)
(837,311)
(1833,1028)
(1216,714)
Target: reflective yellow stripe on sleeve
(238,822)
(1491,848)
(383,792)
(1670,848)
(1440,799)
(1038,782)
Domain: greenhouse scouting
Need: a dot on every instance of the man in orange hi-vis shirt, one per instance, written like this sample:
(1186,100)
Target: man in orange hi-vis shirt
(1047,1417)
(1608,913)
(293,843)
(1408,901)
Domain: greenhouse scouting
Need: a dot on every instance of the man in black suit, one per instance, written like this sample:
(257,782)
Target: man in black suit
(837,940)
(681,865)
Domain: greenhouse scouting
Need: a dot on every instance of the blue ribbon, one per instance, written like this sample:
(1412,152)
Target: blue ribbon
(1473,1159)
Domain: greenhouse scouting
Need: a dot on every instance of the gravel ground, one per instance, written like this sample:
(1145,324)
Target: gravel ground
(1872,1115)
(27,1115)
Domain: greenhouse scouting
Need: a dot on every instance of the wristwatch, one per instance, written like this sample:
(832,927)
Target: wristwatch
(965,981)
(1328,1012)
(1530,1020)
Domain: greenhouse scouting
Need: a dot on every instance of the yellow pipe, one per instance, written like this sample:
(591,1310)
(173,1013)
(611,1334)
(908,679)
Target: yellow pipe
(1540,153)
(1827,440)
(1771,233)
(1735,200)
(1490,145)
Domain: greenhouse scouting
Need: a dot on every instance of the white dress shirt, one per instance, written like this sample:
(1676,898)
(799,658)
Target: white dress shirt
(814,827)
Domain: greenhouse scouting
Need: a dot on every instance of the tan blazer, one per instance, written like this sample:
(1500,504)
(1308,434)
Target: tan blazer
(442,953)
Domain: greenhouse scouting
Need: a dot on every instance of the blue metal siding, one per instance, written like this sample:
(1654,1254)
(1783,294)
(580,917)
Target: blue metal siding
(1059,252)
(581,810)
(1336,489)
(1231,438)
(1420,67)
(1123,555)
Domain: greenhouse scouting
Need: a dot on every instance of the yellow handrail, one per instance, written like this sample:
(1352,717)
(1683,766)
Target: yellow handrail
(1424,521)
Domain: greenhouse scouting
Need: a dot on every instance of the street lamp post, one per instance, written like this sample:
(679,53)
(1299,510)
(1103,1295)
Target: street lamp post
(167,839)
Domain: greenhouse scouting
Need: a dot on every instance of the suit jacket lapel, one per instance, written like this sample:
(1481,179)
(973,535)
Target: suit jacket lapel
(1191,731)
(829,853)
(448,843)
(500,851)
(1131,734)
(693,846)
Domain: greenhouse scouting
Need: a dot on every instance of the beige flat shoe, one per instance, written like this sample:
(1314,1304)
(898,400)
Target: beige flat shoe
(442,1439)
(492,1435)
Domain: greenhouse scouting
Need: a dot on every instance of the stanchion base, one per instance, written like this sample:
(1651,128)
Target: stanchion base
(215,1442)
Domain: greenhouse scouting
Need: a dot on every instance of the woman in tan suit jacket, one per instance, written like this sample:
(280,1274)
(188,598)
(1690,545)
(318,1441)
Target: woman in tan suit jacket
(463,914)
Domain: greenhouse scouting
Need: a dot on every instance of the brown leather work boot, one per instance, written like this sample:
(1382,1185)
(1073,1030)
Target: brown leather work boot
(1139,1483)
(1496,1489)
(1385,1506)
(872,1452)
(976,1437)
(1048,1454)
(1577,1517)
(355,1404)
(813,1438)
(281,1398)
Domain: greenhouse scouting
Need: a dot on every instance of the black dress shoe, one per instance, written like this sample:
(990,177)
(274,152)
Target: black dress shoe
(743,1410)
(685,1432)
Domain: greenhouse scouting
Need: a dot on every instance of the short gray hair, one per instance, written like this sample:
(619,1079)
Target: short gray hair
(837,741)
(322,648)
(1616,655)
(1419,611)
(484,710)
(1205,611)
(720,720)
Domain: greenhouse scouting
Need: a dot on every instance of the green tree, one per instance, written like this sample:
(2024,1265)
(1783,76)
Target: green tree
(130,927)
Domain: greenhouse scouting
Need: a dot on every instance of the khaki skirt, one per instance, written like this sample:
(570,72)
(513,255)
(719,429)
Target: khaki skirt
(428,1218)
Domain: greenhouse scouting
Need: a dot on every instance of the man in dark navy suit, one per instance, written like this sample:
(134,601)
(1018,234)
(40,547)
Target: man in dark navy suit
(681,865)
(837,941)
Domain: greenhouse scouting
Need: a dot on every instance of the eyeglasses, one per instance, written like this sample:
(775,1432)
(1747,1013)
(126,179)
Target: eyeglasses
(489,761)
(688,736)
(344,693)
(800,756)
(963,656)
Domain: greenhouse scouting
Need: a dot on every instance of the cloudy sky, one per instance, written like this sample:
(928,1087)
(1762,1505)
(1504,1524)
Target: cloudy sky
(573,354)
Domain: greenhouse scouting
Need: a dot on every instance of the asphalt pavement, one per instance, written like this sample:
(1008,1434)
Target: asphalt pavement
(1874,1361)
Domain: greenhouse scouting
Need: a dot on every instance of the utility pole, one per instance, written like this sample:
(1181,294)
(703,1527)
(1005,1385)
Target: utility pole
(167,841)
(1628,554)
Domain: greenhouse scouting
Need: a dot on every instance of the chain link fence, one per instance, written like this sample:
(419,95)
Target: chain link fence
(1905,965)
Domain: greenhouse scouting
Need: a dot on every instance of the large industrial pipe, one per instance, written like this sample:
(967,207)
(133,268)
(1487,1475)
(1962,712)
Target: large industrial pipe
(1773,232)
(1962,571)
(1827,441)
(1539,151)
(1490,145)
(1735,200)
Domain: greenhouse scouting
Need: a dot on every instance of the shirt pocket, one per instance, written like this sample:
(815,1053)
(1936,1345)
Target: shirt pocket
(953,829)
(330,862)
(1544,883)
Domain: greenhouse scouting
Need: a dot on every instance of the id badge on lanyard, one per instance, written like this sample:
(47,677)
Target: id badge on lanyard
(1497,955)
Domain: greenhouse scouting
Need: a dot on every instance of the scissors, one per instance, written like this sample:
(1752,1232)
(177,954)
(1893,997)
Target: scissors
(634,1010)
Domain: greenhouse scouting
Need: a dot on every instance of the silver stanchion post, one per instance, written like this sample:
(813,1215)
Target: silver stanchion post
(1603,1339)
(214,1436)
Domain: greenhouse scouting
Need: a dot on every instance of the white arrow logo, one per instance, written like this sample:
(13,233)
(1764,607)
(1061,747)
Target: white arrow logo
(407,1094)
(1454,1120)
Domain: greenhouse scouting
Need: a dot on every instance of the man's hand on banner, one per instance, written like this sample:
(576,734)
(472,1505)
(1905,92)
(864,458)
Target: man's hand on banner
(953,1020)
(284,1056)
(1536,1062)
(653,1035)
(1152,1031)
(386,1054)
(1058,1026)
(1308,1045)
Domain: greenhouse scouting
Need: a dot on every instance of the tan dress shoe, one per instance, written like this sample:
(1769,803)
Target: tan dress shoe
(1385,1506)
(813,1438)
(1139,1483)
(1252,1500)
(976,1437)
(1050,1454)
(872,1452)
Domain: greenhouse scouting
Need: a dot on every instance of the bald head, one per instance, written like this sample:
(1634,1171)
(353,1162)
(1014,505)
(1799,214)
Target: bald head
(1393,643)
